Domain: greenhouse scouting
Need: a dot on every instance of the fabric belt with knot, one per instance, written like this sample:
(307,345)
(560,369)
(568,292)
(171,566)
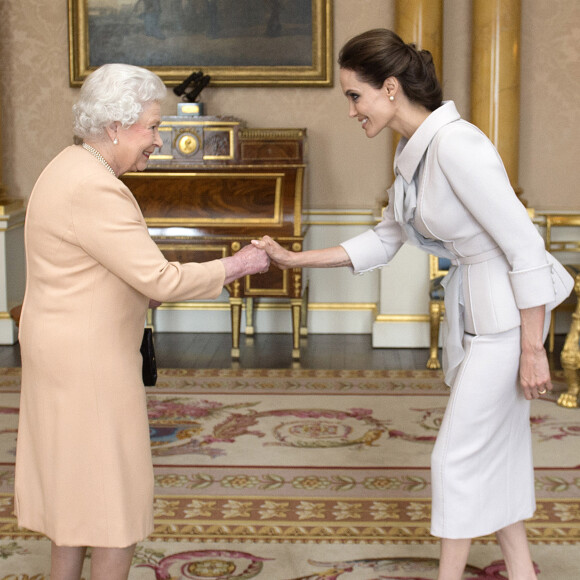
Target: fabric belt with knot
(478,258)
(404,198)
(453,353)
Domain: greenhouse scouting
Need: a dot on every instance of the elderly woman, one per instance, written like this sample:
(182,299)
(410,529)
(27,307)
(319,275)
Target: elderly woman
(84,472)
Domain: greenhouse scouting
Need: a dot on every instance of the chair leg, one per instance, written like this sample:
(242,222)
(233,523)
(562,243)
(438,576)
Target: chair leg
(569,399)
(570,358)
(434,322)
(304,312)
(296,307)
(236,315)
(552,332)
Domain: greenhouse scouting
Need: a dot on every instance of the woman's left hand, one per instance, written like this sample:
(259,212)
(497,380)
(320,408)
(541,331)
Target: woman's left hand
(535,373)
(534,367)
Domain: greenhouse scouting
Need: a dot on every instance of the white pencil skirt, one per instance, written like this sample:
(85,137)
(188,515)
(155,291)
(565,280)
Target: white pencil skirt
(481,467)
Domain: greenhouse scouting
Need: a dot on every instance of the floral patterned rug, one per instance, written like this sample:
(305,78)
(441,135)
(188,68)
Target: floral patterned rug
(306,475)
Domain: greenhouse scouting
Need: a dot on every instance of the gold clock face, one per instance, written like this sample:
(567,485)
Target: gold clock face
(188,143)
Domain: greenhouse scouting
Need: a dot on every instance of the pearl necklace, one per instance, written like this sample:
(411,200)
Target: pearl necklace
(99,157)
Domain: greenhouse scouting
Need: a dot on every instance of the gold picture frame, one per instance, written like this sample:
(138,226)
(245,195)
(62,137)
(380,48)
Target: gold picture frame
(288,43)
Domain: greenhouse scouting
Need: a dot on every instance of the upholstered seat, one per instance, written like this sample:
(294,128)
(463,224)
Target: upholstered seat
(438,268)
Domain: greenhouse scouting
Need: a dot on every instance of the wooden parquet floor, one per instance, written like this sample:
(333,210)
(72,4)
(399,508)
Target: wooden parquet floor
(318,351)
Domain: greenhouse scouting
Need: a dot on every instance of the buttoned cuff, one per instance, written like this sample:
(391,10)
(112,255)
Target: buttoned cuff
(533,287)
(366,252)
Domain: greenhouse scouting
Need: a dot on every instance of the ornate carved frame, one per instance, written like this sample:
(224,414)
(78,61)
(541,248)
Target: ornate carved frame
(318,74)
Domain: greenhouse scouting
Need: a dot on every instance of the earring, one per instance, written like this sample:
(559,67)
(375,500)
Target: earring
(391,98)
(115,141)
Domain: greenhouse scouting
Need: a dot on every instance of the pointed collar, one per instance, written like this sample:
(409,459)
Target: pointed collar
(410,151)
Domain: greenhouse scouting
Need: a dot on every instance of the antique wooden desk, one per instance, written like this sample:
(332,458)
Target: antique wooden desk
(213,187)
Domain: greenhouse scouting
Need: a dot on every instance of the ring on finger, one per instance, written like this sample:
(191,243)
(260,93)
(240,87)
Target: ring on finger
(543,391)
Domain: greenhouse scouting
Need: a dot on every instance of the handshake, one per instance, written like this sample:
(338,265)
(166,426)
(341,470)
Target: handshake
(254,258)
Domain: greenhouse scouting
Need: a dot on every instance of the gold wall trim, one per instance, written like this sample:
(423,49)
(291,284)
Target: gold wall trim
(570,219)
(320,306)
(372,220)
(342,306)
(271,305)
(402,318)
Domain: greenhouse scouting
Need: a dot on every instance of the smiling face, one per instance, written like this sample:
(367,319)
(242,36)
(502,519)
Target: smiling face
(370,106)
(139,141)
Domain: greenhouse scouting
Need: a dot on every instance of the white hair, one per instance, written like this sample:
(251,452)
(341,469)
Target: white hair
(114,92)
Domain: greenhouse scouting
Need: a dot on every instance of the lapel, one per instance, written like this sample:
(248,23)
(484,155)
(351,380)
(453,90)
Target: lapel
(410,151)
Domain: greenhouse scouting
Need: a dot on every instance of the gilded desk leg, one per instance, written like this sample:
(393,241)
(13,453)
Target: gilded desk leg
(236,308)
(434,322)
(304,315)
(296,305)
(250,330)
(570,357)
(236,313)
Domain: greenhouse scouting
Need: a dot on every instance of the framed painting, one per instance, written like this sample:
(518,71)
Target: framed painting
(235,42)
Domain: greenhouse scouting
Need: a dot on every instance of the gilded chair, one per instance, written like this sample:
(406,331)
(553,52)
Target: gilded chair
(563,235)
(570,355)
(438,268)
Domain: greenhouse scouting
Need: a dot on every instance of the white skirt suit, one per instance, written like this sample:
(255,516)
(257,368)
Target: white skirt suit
(452,197)
(84,474)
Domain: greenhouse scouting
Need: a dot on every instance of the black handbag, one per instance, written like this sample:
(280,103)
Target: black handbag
(149,362)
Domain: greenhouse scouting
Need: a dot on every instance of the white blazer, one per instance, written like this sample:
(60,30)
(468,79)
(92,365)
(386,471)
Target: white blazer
(465,201)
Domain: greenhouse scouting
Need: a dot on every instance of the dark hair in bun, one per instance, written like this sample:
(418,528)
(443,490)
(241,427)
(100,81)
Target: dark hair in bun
(378,54)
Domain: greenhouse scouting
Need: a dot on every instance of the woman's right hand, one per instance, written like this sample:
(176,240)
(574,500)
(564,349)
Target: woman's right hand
(245,262)
(278,255)
(326,258)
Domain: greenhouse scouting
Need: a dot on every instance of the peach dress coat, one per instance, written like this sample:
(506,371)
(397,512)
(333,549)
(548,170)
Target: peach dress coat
(84,473)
